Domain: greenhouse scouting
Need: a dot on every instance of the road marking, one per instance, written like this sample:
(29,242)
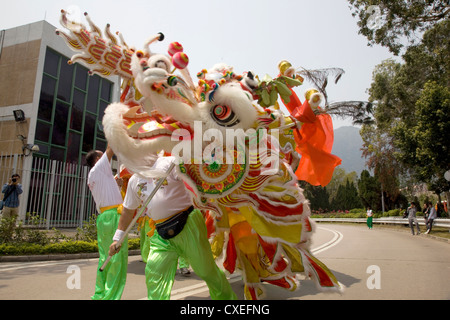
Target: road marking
(202,287)
(336,239)
(24,265)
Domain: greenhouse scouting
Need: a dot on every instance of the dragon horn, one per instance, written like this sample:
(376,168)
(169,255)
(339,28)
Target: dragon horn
(159,37)
(69,24)
(94,28)
(110,36)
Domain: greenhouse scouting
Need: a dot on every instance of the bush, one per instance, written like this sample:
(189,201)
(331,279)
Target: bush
(88,232)
(17,240)
(52,248)
(393,213)
(7,230)
(358,210)
(66,247)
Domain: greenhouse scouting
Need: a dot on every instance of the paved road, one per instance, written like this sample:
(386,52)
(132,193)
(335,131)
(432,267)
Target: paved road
(371,264)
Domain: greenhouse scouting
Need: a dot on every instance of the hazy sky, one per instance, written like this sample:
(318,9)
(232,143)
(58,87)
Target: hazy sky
(247,34)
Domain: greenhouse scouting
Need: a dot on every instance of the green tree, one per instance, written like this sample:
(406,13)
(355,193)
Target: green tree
(412,115)
(347,197)
(340,177)
(317,195)
(425,146)
(397,20)
(369,191)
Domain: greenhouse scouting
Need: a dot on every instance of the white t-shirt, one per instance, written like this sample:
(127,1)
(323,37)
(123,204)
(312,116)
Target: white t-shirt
(171,198)
(103,187)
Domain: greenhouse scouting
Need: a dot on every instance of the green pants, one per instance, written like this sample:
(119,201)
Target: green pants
(145,241)
(182,263)
(145,247)
(369,222)
(110,282)
(191,244)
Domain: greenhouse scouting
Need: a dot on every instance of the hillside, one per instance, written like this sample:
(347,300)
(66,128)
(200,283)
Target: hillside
(347,146)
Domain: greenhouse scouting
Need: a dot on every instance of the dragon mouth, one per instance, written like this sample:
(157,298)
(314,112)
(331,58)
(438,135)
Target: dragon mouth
(142,126)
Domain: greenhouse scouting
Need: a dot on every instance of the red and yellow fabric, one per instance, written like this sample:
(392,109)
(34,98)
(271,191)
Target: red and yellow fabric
(314,141)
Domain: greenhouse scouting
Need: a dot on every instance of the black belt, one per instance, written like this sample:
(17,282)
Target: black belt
(173,226)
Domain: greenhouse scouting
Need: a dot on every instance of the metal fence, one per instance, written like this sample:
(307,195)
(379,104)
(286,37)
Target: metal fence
(441,222)
(55,194)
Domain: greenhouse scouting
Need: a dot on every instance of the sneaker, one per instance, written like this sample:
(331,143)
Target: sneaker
(185,272)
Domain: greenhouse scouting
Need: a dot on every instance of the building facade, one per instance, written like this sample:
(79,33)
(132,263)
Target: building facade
(49,109)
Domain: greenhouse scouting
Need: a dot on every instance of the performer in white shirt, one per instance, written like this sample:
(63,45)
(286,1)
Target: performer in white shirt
(110,283)
(180,232)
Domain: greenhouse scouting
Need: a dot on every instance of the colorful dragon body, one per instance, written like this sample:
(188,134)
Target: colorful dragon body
(238,153)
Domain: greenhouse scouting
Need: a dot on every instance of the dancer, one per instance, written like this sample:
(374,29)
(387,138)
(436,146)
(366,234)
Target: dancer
(180,232)
(110,283)
(146,228)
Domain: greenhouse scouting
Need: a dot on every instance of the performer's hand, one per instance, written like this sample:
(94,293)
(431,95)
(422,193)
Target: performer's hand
(113,248)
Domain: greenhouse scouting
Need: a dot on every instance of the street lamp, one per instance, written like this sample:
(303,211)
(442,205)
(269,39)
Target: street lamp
(19,115)
(27,148)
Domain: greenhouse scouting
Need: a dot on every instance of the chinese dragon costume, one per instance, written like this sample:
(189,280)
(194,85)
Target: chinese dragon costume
(256,214)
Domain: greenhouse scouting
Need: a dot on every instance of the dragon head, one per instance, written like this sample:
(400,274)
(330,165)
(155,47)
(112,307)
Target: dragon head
(173,108)
(265,215)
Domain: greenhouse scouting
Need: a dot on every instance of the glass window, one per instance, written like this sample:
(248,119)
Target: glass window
(73,151)
(100,132)
(100,145)
(71,108)
(51,63)
(106,90)
(47,98)
(43,149)
(76,120)
(43,131)
(92,100)
(89,132)
(65,80)
(81,77)
(57,153)
(101,110)
(60,124)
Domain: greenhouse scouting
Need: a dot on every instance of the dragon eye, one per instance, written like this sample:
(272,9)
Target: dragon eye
(139,54)
(161,64)
(224,116)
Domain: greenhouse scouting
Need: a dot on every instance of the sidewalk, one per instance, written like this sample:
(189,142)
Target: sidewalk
(62,256)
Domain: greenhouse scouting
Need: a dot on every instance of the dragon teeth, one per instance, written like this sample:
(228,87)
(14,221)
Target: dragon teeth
(132,113)
(146,129)
(133,130)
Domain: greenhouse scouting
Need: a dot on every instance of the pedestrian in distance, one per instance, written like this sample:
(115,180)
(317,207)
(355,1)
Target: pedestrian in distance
(11,192)
(431,217)
(412,211)
(425,211)
(369,215)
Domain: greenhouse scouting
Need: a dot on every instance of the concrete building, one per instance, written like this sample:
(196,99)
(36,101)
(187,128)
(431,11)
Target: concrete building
(48,108)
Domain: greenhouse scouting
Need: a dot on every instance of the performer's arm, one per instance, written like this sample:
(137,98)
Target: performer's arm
(125,219)
(109,153)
